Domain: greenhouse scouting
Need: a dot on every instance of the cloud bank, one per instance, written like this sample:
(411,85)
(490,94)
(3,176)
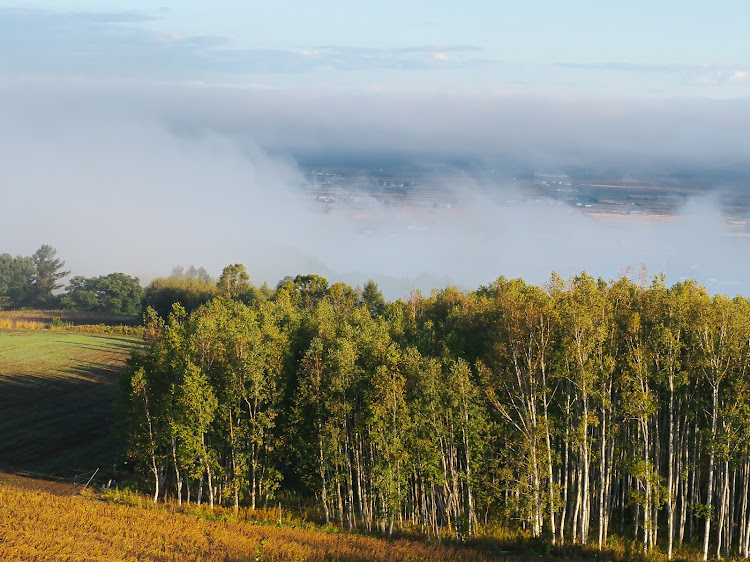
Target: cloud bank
(138,177)
(532,130)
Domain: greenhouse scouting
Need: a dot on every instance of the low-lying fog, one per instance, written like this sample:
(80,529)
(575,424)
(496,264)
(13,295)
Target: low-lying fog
(141,179)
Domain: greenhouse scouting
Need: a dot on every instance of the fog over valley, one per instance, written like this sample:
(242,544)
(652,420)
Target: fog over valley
(141,176)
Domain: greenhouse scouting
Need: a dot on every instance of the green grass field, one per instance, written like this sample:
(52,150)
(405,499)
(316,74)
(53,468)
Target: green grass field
(58,392)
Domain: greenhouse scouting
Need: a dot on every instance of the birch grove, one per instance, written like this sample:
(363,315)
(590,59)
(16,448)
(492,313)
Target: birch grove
(569,412)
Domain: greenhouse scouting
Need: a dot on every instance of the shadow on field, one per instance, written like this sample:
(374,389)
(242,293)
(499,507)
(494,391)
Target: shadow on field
(61,425)
(55,486)
(108,342)
(525,549)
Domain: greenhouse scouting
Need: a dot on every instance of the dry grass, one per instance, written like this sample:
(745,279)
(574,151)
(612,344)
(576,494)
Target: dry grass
(21,324)
(72,321)
(58,324)
(72,317)
(37,525)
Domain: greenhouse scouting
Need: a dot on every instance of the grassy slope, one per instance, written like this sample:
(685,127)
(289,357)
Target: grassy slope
(57,408)
(36,525)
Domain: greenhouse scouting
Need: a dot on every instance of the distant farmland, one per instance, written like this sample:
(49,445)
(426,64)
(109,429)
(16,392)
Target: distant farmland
(58,391)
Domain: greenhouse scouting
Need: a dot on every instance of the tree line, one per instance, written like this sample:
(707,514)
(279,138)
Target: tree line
(30,281)
(572,411)
(35,282)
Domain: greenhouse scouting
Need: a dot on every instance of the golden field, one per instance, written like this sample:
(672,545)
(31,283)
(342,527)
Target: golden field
(43,525)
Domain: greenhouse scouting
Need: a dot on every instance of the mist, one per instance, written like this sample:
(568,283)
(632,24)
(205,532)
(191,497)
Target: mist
(138,177)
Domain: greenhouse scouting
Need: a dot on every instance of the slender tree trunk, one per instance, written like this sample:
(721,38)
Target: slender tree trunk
(723,508)
(685,483)
(178,476)
(253,475)
(323,487)
(155,471)
(745,524)
(732,521)
(671,471)
(200,490)
(550,473)
(235,486)
(577,508)
(586,499)
(349,484)
(646,487)
(209,474)
(360,495)
(695,479)
(710,490)
(339,499)
(567,481)
(467,459)
(152,443)
(602,473)
(608,495)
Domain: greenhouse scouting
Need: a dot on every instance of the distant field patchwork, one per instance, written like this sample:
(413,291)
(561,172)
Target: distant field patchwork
(58,393)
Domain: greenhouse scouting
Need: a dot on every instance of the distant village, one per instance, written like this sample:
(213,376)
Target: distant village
(606,198)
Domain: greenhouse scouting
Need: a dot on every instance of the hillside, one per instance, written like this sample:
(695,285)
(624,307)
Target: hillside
(39,525)
(58,390)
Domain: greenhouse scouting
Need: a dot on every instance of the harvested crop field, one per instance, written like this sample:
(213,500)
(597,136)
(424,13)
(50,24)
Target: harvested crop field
(37,525)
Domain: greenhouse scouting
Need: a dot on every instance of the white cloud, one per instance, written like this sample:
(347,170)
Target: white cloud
(706,80)
(739,76)
(127,49)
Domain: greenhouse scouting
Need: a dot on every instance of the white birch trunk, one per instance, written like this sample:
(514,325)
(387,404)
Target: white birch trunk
(709,491)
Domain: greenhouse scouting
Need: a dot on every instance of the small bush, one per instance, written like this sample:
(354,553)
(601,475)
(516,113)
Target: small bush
(58,322)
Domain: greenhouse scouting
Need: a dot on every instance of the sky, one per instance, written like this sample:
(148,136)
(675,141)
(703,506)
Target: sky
(135,136)
(666,48)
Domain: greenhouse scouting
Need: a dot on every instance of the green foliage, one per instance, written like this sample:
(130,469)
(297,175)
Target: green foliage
(58,322)
(46,280)
(162,293)
(552,410)
(115,293)
(234,282)
(373,299)
(16,279)
(31,281)
(308,290)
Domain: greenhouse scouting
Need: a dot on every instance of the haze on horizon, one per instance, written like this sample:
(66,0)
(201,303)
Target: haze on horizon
(137,140)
